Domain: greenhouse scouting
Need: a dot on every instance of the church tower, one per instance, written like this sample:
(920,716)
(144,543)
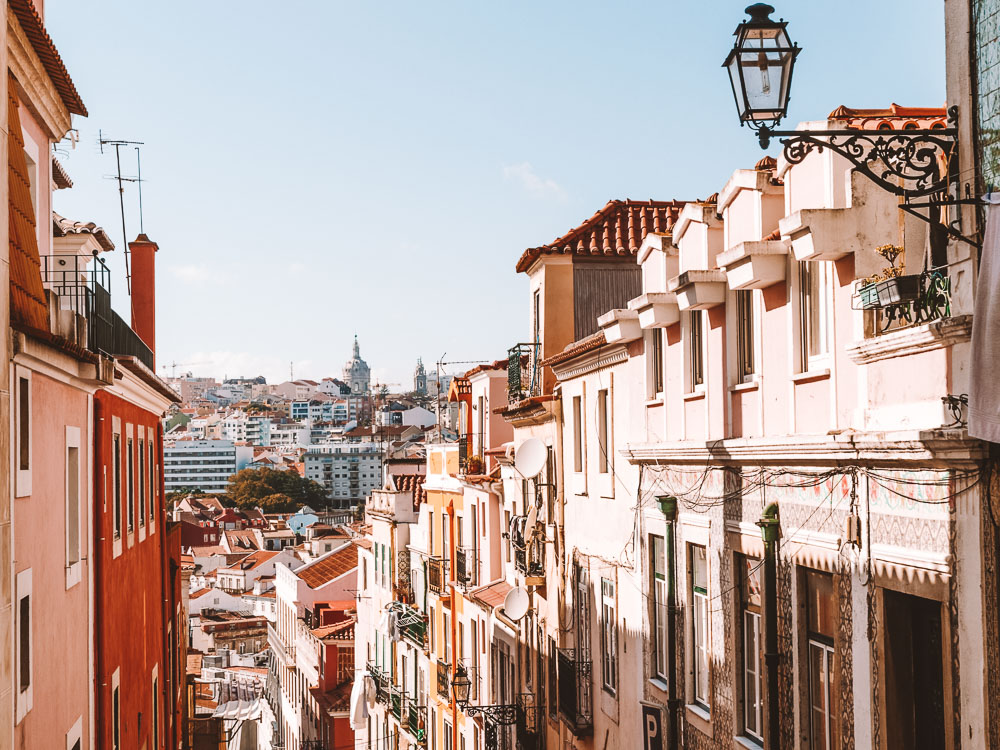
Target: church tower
(356,371)
(420,378)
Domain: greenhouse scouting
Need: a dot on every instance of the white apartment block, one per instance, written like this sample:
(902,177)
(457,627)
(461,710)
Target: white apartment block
(347,471)
(204,465)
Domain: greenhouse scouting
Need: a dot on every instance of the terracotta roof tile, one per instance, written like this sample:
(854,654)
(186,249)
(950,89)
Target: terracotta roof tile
(893,117)
(27,296)
(616,231)
(329,567)
(63,227)
(594,341)
(412,483)
(339,631)
(45,48)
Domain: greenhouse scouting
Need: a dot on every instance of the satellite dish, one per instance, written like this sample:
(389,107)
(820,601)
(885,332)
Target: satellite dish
(530,457)
(515,604)
(532,519)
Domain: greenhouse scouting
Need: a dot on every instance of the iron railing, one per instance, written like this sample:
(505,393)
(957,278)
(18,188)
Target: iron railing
(523,372)
(416,722)
(381,683)
(443,678)
(396,699)
(528,721)
(465,566)
(437,575)
(575,700)
(84,286)
(415,630)
(529,554)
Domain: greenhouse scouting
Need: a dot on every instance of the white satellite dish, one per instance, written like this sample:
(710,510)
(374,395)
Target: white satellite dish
(530,457)
(515,604)
(529,524)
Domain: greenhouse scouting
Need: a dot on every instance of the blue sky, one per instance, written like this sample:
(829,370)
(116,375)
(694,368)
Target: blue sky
(319,169)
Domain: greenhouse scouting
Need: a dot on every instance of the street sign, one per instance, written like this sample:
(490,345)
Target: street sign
(652,727)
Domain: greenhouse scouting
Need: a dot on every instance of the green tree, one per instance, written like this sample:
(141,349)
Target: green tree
(251,488)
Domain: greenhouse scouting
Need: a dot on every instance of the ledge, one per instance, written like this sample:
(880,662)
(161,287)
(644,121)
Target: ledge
(620,326)
(947,448)
(694,396)
(699,718)
(937,334)
(656,309)
(753,385)
(699,289)
(805,377)
(755,265)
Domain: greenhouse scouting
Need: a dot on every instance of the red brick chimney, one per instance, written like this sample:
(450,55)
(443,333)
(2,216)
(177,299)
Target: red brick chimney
(143,252)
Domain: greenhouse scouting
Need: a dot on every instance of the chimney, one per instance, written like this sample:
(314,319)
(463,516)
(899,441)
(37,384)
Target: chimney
(143,252)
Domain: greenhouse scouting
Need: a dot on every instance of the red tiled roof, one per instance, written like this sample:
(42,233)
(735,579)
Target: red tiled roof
(27,296)
(45,48)
(615,231)
(594,341)
(339,631)
(500,364)
(253,560)
(334,701)
(893,117)
(492,595)
(412,483)
(329,567)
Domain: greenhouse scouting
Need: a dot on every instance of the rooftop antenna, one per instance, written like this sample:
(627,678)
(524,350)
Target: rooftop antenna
(121,198)
(138,179)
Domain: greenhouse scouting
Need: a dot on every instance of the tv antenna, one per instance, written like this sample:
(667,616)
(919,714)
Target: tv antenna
(121,195)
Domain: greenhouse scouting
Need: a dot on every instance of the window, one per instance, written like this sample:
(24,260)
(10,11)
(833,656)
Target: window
(72,505)
(24,644)
(609,636)
(753,678)
(142,482)
(814,312)
(577,433)
(656,362)
(553,680)
(23,433)
(116,713)
(699,615)
(658,597)
(537,316)
(116,478)
(130,484)
(604,459)
(696,361)
(819,627)
(745,368)
(156,709)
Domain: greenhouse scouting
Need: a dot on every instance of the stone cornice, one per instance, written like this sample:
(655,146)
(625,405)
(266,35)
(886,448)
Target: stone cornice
(39,92)
(947,448)
(592,361)
(937,334)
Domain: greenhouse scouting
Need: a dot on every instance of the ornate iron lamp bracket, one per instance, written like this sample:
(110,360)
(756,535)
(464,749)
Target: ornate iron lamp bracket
(502,715)
(911,163)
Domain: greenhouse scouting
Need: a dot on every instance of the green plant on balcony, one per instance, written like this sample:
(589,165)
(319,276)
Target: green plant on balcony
(890,286)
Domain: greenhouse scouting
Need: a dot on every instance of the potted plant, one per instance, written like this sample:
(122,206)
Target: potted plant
(891,286)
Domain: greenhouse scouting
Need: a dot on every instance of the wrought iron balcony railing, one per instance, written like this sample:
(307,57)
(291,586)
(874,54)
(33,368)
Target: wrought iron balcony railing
(396,699)
(529,551)
(575,699)
(523,372)
(443,678)
(381,683)
(84,286)
(528,721)
(466,564)
(416,722)
(437,575)
(470,455)
(904,301)
(413,625)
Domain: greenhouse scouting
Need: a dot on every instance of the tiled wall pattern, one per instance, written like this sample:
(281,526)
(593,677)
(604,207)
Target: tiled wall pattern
(986,21)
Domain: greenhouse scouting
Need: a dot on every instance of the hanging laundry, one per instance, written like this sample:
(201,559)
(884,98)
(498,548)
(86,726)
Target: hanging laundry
(371,693)
(359,704)
(984,396)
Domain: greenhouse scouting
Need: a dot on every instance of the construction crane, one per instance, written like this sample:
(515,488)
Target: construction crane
(174,365)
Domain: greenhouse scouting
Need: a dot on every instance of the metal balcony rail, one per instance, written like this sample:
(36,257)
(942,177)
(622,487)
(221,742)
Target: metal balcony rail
(575,699)
(413,626)
(529,551)
(313,745)
(466,565)
(528,724)
(523,372)
(416,722)
(904,301)
(278,645)
(396,698)
(84,286)
(443,678)
(381,683)
(437,574)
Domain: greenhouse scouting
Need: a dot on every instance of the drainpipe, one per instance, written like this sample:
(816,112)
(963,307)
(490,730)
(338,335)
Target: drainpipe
(668,504)
(452,551)
(771,531)
(97,529)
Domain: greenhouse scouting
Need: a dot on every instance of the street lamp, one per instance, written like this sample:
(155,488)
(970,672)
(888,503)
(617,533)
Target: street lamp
(913,163)
(460,687)
(760,68)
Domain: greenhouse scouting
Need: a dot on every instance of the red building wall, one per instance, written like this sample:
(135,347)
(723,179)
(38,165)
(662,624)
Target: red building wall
(137,592)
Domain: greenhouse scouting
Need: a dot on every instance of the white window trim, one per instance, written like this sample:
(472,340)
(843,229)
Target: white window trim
(75,734)
(22,484)
(115,685)
(818,362)
(705,703)
(155,713)
(141,484)
(609,636)
(128,493)
(652,393)
(74,570)
(25,697)
(686,333)
(154,479)
(116,429)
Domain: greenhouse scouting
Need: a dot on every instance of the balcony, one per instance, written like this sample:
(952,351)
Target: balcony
(84,286)
(523,373)
(396,699)
(443,679)
(416,722)
(286,654)
(575,700)
(437,575)
(528,723)
(466,564)
(904,301)
(412,626)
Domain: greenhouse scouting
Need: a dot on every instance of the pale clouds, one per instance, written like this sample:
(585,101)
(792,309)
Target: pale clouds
(220,364)
(193,273)
(537,187)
